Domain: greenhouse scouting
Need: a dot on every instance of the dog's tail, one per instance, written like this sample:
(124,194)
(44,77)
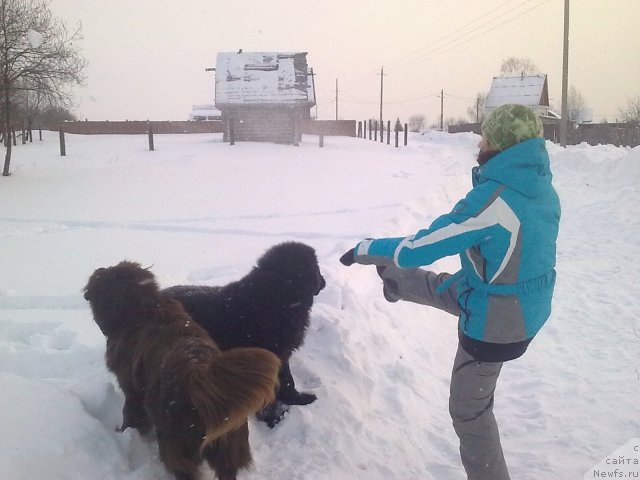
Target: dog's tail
(236,384)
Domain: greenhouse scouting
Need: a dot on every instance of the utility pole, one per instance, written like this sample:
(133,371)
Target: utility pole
(381,90)
(564,121)
(441,110)
(313,82)
(336,99)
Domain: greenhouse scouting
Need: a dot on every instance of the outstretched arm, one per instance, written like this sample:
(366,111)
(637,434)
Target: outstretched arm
(481,215)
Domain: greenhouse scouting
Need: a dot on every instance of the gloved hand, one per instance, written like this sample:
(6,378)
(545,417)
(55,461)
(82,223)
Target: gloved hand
(348,258)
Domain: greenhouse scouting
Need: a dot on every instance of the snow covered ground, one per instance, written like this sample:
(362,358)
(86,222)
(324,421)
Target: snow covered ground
(199,211)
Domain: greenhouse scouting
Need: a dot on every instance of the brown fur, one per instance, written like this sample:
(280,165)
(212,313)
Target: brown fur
(175,378)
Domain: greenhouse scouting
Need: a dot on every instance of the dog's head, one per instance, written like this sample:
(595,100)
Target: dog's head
(297,263)
(123,288)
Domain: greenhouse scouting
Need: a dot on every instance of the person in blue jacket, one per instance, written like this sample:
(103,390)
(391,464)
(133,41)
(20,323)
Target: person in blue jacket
(505,232)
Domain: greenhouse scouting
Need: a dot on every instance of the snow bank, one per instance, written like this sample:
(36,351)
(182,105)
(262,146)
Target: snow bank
(197,210)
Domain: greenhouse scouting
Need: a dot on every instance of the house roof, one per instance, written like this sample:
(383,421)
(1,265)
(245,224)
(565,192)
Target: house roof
(530,90)
(263,78)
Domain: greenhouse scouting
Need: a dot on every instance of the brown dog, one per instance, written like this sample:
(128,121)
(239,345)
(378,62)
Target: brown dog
(175,378)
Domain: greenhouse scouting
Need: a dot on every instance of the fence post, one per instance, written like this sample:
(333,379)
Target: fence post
(369,129)
(381,131)
(388,132)
(232,133)
(297,134)
(359,129)
(375,131)
(364,129)
(321,140)
(40,130)
(63,147)
(151,145)
(397,134)
(406,134)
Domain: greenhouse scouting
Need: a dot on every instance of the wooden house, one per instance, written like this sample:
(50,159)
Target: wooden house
(264,97)
(529,90)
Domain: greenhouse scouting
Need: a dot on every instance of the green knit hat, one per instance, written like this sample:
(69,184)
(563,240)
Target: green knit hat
(510,124)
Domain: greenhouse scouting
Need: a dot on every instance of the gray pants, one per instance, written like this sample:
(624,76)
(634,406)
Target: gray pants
(473,383)
(472,389)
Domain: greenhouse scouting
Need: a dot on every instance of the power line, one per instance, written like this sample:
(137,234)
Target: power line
(432,45)
(371,75)
(413,99)
(366,102)
(461,97)
(494,28)
(485,28)
(435,51)
(451,34)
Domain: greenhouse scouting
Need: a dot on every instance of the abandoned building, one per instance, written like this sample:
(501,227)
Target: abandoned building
(264,97)
(529,90)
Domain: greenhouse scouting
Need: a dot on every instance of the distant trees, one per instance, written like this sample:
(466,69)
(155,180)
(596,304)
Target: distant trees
(576,105)
(448,121)
(630,112)
(38,63)
(476,112)
(51,117)
(518,66)
(417,123)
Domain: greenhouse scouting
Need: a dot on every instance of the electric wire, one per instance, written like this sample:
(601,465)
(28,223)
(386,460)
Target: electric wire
(432,51)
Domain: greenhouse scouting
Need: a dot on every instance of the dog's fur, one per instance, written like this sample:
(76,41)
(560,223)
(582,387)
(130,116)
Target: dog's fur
(267,308)
(175,378)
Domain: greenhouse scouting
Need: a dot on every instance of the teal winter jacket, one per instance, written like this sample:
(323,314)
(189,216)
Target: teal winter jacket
(505,232)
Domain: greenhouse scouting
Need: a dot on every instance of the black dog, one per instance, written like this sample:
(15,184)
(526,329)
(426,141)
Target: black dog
(175,378)
(268,308)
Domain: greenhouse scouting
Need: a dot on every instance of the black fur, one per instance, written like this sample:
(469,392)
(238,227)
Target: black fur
(268,308)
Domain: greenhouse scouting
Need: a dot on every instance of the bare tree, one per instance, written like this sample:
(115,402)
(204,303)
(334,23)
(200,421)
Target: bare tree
(518,66)
(37,54)
(576,105)
(448,121)
(417,123)
(476,112)
(27,103)
(630,112)
(50,117)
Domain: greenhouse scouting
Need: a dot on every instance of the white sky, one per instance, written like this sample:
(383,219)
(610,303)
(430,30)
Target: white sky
(147,58)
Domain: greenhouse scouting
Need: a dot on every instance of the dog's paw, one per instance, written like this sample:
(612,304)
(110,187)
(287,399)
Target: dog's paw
(273,413)
(301,398)
(143,428)
(134,416)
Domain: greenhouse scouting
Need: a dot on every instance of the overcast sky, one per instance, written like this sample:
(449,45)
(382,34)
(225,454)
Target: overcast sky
(147,58)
